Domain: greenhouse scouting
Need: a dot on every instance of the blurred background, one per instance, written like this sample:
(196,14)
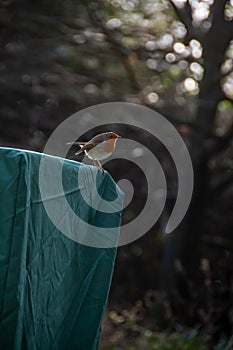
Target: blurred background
(57,57)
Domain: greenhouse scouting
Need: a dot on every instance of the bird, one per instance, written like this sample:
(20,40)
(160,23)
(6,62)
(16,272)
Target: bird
(99,147)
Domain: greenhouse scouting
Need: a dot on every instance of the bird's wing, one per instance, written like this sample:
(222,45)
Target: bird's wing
(87,146)
(76,143)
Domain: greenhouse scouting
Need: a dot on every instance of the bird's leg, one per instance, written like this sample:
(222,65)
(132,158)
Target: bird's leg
(95,164)
(100,166)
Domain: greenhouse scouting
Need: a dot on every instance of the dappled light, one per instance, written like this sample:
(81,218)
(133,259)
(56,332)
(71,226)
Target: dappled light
(175,58)
(152,97)
(196,49)
(227,84)
(190,85)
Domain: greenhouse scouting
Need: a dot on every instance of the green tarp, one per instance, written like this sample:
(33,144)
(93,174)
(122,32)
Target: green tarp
(53,289)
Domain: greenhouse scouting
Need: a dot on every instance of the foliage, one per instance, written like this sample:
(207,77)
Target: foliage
(129,333)
(152,341)
(57,57)
(130,329)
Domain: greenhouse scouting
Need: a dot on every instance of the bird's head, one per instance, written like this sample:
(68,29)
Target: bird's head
(106,136)
(111,136)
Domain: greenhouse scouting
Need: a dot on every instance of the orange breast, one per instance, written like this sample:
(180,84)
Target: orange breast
(110,145)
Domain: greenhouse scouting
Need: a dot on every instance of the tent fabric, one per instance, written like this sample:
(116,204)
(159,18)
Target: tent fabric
(53,290)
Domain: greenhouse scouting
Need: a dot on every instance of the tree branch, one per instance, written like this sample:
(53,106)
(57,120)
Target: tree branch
(122,51)
(185,16)
(218,9)
(220,27)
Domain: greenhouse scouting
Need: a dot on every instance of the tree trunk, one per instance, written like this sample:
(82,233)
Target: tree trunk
(181,274)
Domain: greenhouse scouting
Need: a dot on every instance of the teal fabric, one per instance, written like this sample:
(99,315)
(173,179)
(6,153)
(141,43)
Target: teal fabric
(53,290)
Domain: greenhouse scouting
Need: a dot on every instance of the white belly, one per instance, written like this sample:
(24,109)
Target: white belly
(98,152)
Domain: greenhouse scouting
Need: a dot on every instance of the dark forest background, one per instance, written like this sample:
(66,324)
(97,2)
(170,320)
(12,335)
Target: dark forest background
(57,57)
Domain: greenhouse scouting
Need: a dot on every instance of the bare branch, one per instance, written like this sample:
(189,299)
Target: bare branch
(185,16)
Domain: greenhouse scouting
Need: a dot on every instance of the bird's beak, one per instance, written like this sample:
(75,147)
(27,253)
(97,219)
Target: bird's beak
(118,136)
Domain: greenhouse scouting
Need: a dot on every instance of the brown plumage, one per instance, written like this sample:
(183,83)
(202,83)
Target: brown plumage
(99,147)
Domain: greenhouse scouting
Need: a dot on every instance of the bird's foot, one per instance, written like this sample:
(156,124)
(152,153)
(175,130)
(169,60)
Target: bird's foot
(99,166)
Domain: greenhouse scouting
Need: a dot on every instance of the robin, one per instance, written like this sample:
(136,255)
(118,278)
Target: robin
(99,147)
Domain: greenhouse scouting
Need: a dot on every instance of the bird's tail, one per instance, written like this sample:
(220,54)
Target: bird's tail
(79,152)
(80,144)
